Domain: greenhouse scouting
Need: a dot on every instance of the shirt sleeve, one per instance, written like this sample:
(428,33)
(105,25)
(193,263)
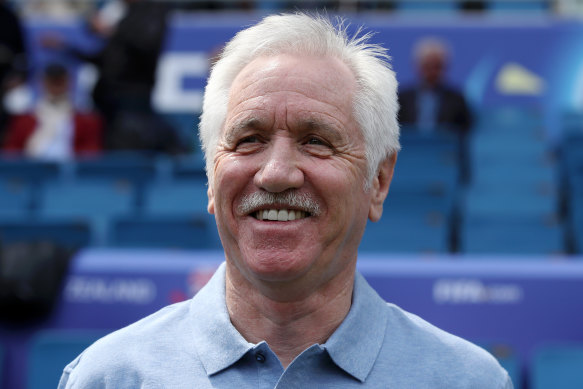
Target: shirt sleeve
(506,385)
(64,382)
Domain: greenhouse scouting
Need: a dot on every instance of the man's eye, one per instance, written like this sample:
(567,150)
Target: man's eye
(315,141)
(249,139)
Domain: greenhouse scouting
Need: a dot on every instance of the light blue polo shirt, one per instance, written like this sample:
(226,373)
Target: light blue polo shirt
(194,345)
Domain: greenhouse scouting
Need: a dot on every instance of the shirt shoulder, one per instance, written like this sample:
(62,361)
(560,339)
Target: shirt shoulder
(126,358)
(426,356)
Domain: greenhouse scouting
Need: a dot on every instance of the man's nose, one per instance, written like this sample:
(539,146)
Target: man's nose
(279,170)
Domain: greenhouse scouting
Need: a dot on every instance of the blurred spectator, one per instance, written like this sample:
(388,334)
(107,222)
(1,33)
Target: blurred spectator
(432,103)
(55,9)
(127,74)
(54,130)
(104,21)
(13,60)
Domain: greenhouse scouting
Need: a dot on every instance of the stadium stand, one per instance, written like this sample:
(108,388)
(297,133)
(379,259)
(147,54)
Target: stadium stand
(506,356)
(176,198)
(571,166)
(69,233)
(168,231)
(16,199)
(419,212)
(51,351)
(32,171)
(557,366)
(512,203)
(92,202)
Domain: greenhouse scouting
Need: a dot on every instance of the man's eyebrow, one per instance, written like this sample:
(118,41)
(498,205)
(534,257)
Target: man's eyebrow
(328,130)
(245,124)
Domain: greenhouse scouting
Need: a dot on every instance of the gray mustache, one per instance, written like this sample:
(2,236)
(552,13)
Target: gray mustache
(291,199)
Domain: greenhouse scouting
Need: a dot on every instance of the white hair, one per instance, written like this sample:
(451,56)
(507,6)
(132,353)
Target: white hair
(375,101)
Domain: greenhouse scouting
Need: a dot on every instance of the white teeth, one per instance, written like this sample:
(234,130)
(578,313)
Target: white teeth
(282,215)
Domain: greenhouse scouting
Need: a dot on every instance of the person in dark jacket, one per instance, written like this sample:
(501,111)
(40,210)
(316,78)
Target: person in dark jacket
(127,67)
(432,104)
(13,58)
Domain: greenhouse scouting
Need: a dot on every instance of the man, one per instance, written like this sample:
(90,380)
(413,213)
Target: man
(54,130)
(127,66)
(13,60)
(300,136)
(432,104)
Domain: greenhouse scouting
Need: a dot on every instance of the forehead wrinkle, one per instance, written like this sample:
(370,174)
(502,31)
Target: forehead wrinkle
(322,89)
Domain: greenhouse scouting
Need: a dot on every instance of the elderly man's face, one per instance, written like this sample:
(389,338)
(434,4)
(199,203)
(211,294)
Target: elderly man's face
(290,130)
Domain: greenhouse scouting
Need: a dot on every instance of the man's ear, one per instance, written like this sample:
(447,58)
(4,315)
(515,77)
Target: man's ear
(211,204)
(380,187)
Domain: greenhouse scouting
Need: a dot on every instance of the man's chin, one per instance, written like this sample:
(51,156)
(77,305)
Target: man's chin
(277,266)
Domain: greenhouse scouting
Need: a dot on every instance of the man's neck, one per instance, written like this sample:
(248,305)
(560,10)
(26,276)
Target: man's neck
(291,326)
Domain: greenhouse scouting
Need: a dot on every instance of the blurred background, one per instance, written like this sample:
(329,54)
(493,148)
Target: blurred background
(103,192)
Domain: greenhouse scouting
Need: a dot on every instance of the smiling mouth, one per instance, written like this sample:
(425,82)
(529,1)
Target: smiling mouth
(282,215)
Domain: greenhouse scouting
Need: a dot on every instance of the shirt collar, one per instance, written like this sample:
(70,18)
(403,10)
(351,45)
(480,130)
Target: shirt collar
(353,347)
(217,341)
(356,343)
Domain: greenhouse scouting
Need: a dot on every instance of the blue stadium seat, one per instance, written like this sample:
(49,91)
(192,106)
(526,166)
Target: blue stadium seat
(431,179)
(410,204)
(17,199)
(507,358)
(418,212)
(507,148)
(67,232)
(522,6)
(427,163)
(440,143)
(94,202)
(575,222)
(51,351)
(190,167)
(176,198)
(509,201)
(427,6)
(133,167)
(572,158)
(511,235)
(572,122)
(31,171)
(558,367)
(497,174)
(404,233)
(178,232)
(503,118)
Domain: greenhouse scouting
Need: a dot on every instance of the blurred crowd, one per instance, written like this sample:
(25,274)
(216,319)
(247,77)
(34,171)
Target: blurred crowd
(114,8)
(121,117)
(49,124)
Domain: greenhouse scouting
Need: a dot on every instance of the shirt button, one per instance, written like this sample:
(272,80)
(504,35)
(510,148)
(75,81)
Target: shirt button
(259,357)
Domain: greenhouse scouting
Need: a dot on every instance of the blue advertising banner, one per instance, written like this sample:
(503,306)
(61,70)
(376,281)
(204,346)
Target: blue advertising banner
(515,302)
